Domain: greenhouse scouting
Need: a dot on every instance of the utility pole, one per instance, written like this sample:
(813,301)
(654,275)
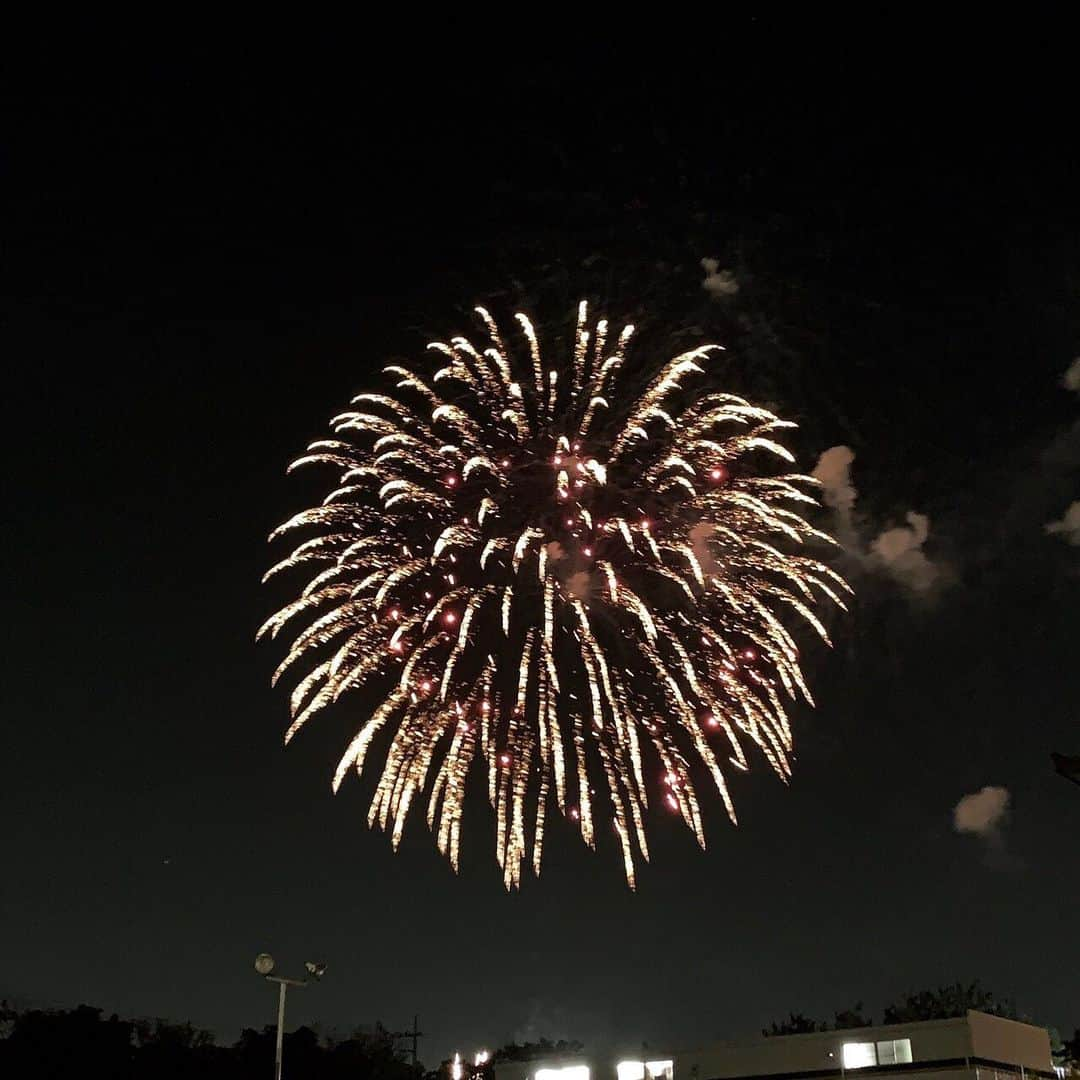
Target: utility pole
(416,1034)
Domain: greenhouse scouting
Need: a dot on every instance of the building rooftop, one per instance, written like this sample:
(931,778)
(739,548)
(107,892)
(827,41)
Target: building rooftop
(976,1046)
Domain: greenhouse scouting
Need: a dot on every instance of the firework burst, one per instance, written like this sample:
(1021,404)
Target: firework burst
(517,567)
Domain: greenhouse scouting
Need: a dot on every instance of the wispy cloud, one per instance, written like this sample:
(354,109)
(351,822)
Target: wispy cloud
(1068,526)
(717,282)
(898,551)
(833,470)
(1071,379)
(1064,451)
(983,814)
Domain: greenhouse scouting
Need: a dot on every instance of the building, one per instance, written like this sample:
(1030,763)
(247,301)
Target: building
(976,1046)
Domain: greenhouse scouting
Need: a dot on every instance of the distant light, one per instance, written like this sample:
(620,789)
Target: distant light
(717,474)
(455,1069)
(749,654)
(588,552)
(672,801)
(568,1072)
(712,721)
(633,1070)
(858,1055)
(395,613)
(451,481)
(449,618)
(425,685)
(504,759)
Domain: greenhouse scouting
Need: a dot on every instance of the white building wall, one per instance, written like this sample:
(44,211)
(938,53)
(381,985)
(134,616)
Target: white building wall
(955,1041)
(1006,1040)
(934,1040)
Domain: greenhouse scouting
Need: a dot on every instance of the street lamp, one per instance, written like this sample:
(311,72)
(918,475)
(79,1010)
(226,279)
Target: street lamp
(264,965)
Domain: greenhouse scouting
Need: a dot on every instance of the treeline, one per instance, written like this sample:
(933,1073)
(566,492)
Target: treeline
(939,1004)
(529,1051)
(82,1042)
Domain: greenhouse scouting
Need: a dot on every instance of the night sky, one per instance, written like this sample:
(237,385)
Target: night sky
(207,252)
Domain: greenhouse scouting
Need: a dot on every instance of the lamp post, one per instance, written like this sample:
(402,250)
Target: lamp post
(264,965)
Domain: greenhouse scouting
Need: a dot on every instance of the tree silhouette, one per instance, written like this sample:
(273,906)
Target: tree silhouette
(945,1002)
(795,1024)
(541,1048)
(49,1043)
(939,1004)
(852,1018)
(80,1042)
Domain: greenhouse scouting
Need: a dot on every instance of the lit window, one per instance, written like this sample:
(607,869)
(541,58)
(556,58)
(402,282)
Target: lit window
(658,1070)
(570,1072)
(859,1055)
(894,1052)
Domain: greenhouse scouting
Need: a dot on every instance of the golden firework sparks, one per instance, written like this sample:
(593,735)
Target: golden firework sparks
(510,574)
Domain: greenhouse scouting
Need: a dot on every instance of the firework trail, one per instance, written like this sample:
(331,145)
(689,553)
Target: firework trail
(517,566)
